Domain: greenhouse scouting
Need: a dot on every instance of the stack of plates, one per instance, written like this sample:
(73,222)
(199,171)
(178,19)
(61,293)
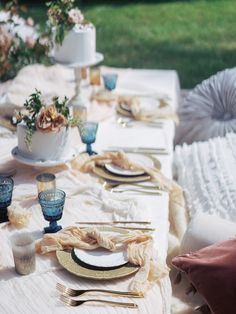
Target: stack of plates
(114,173)
(99,264)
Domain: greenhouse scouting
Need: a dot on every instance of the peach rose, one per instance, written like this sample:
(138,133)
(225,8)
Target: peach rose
(75,16)
(49,120)
(30,42)
(29,21)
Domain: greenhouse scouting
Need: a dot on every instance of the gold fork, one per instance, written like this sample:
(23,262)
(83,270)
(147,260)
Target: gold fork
(75,293)
(72,302)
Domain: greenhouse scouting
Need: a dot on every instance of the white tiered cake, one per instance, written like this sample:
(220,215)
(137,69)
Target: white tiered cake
(43,146)
(78,46)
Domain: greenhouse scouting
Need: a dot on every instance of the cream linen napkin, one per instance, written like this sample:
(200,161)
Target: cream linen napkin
(164,111)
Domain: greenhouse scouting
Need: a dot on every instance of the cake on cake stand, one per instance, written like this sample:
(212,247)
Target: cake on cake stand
(78,100)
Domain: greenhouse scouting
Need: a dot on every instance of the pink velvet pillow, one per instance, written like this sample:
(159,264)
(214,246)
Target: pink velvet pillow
(212,271)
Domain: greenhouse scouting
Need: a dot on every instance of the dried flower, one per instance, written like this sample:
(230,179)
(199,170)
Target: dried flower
(49,120)
(54,15)
(29,21)
(75,16)
(5,42)
(30,42)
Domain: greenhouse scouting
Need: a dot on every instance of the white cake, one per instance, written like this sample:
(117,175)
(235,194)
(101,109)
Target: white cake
(44,146)
(79,45)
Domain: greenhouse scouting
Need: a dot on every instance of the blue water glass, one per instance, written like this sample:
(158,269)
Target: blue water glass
(110,81)
(88,132)
(52,204)
(6,188)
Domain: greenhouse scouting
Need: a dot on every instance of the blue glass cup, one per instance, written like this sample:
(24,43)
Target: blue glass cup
(110,81)
(52,204)
(6,188)
(88,132)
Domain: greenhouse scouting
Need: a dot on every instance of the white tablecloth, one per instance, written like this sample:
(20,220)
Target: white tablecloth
(36,293)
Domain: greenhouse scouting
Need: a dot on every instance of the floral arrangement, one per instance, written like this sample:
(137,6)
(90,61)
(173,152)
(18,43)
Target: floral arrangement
(63,16)
(16,49)
(44,118)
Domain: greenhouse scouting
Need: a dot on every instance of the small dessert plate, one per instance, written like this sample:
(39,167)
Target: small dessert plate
(149,104)
(102,257)
(136,158)
(70,155)
(126,107)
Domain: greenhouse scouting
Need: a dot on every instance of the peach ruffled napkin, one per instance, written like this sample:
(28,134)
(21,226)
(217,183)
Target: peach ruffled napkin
(139,248)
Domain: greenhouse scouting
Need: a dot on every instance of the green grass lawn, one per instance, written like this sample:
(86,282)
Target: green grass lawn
(197,38)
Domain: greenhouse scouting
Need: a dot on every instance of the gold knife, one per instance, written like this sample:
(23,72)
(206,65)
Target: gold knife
(112,222)
(129,228)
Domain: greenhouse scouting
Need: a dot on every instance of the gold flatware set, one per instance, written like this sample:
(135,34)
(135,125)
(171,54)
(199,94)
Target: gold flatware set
(139,150)
(66,293)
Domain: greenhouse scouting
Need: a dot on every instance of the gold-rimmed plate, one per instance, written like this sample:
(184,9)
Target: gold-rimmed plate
(123,112)
(135,158)
(103,173)
(66,260)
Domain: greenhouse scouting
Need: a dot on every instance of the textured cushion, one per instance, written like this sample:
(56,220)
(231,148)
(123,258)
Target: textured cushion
(212,271)
(204,230)
(206,171)
(209,110)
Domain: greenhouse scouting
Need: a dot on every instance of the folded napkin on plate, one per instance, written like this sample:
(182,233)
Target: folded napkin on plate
(177,205)
(164,111)
(139,248)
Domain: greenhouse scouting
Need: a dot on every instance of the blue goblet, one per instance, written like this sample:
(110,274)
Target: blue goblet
(6,188)
(88,132)
(52,204)
(110,81)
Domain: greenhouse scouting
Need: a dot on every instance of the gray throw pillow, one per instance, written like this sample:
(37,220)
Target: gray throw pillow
(209,110)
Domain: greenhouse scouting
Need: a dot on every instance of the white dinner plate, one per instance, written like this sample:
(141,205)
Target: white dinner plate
(70,155)
(102,257)
(125,106)
(148,104)
(137,158)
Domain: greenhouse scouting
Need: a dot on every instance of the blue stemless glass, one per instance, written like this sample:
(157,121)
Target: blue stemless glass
(88,132)
(110,81)
(6,188)
(52,204)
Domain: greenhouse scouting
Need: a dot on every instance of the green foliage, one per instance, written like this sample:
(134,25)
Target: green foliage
(21,55)
(61,106)
(58,14)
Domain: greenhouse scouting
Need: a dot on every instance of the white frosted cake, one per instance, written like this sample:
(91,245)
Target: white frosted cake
(43,146)
(79,45)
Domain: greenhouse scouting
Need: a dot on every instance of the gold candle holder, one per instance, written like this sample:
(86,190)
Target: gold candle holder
(46,181)
(84,73)
(23,249)
(95,76)
(80,113)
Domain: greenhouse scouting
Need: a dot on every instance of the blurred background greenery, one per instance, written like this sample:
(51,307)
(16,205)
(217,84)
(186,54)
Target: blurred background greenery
(197,38)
